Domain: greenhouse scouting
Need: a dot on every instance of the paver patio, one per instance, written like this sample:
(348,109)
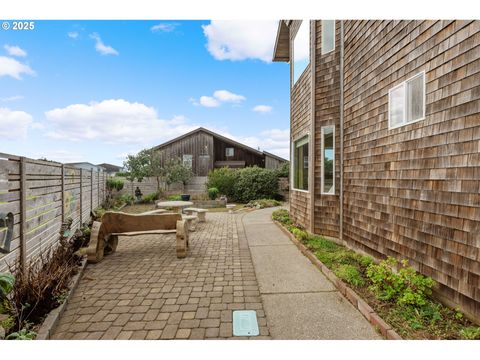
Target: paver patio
(144,292)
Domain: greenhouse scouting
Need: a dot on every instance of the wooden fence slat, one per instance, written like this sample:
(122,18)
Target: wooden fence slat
(23,212)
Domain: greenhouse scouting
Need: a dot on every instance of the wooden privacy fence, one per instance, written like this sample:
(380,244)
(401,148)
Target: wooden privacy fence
(41,195)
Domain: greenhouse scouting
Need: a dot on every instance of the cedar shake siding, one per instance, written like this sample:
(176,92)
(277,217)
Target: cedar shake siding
(327,112)
(411,192)
(300,115)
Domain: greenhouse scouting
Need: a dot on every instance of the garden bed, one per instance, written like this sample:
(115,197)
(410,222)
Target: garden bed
(401,297)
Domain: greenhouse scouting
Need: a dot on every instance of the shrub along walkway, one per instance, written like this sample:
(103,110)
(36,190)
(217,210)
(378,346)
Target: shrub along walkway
(299,301)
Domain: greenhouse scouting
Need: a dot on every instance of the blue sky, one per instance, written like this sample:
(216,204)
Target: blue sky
(97,90)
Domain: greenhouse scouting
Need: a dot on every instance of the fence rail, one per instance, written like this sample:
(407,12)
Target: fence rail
(41,195)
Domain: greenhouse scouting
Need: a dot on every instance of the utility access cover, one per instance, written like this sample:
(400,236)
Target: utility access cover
(245,323)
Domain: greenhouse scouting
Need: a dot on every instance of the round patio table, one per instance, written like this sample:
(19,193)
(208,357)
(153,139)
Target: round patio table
(176,205)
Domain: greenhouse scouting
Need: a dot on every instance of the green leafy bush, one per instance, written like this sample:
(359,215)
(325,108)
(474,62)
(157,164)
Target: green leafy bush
(470,333)
(300,234)
(224,180)
(127,199)
(175,197)
(255,183)
(114,184)
(150,198)
(405,286)
(282,216)
(284,170)
(350,274)
(213,193)
(7,281)
(24,334)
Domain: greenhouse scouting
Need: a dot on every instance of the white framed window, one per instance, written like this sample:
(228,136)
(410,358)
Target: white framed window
(301,50)
(229,151)
(406,102)
(187,160)
(328,36)
(300,163)
(328,160)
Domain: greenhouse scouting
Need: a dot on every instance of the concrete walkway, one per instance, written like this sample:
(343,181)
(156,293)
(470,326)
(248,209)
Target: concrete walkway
(299,301)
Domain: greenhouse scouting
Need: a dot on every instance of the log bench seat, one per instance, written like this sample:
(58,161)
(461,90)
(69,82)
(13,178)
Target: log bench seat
(104,235)
(200,213)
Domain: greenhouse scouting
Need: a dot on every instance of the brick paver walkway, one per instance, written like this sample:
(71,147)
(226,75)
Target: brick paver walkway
(144,292)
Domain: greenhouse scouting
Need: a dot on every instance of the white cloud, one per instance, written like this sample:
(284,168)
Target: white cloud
(227,96)
(73,34)
(164,27)
(63,156)
(15,51)
(219,97)
(262,109)
(14,68)
(114,121)
(14,124)
(240,40)
(11,98)
(209,101)
(101,47)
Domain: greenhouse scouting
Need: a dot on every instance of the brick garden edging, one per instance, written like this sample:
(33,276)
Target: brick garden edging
(52,318)
(361,305)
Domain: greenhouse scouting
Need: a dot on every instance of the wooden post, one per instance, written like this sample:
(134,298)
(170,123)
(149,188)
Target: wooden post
(81,197)
(91,190)
(23,212)
(63,193)
(98,187)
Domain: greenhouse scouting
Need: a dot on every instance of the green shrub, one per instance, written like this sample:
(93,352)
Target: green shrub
(255,183)
(7,281)
(114,184)
(150,198)
(127,199)
(224,180)
(122,174)
(405,287)
(24,334)
(284,170)
(350,274)
(175,197)
(213,193)
(320,243)
(300,234)
(282,216)
(470,333)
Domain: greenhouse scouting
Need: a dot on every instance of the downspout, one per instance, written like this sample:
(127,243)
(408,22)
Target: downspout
(311,168)
(341,124)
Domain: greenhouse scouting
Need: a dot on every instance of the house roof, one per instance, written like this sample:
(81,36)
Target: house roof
(281,51)
(218,136)
(275,156)
(110,167)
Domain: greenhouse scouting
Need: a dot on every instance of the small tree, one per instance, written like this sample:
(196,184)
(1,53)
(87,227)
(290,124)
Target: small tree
(137,166)
(155,167)
(177,171)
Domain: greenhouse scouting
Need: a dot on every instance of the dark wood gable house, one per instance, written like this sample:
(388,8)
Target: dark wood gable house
(205,150)
(385,141)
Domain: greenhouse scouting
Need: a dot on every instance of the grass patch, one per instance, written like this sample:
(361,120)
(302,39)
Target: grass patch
(399,294)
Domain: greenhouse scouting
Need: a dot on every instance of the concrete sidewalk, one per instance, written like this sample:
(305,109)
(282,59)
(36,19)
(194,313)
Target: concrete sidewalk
(299,301)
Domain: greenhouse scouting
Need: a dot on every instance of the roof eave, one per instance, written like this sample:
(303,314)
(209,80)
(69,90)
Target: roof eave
(281,51)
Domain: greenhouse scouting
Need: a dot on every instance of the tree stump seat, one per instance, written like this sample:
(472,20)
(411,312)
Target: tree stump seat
(200,213)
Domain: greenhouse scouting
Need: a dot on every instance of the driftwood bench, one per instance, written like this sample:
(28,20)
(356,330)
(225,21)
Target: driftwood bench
(200,213)
(104,235)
